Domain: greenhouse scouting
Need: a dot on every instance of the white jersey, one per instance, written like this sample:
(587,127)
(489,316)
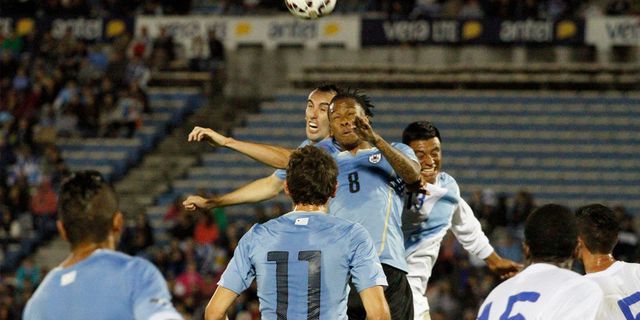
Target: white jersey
(621,286)
(543,292)
(425,221)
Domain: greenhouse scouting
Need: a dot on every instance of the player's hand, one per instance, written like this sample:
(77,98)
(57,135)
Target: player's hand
(209,135)
(504,267)
(364,131)
(194,202)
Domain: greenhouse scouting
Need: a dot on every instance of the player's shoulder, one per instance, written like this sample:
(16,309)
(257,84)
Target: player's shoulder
(328,145)
(447,181)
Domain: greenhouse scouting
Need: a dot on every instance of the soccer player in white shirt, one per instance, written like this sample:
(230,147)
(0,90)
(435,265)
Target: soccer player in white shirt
(546,289)
(620,281)
(431,212)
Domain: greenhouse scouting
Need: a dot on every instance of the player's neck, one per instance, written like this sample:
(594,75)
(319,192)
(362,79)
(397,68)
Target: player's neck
(597,262)
(363,145)
(84,250)
(310,207)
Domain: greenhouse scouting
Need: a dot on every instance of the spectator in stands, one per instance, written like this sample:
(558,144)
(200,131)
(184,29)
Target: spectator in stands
(163,50)
(523,204)
(127,114)
(138,236)
(183,228)
(10,229)
(471,9)
(188,282)
(141,45)
(206,231)
(137,73)
(43,207)
(28,272)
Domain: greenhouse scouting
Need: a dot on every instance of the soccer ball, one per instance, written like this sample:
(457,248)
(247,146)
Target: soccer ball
(310,9)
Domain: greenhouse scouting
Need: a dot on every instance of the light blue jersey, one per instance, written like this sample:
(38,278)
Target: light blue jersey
(370,193)
(106,285)
(428,217)
(302,262)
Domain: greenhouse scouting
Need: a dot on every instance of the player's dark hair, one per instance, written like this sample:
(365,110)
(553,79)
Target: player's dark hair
(420,130)
(328,87)
(598,227)
(86,206)
(362,99)
(551,232)
(312,176)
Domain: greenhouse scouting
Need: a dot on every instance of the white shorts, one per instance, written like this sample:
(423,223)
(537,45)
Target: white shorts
(420,262)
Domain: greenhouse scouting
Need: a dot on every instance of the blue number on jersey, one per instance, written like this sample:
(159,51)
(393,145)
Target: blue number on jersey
(522,296)
(625,306)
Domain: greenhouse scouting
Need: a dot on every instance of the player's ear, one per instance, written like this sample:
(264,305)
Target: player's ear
(335,189)
(526,251)
(61,230)
(117,223)
(286,188)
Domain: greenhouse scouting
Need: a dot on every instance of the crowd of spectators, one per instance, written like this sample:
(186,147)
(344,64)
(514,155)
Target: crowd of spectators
(507,9)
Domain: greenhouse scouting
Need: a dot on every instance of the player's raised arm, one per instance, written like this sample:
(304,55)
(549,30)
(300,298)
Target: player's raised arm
(405,167)
(271,155)
(256,191)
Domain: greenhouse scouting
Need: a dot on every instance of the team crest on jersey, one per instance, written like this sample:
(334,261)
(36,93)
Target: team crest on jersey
(375,158)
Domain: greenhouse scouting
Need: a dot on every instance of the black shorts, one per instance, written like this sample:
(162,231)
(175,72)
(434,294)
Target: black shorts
(398,295)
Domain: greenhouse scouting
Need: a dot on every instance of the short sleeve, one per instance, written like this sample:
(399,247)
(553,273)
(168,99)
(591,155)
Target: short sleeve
(366,270)
(151,298)
(240,272)
(406,150)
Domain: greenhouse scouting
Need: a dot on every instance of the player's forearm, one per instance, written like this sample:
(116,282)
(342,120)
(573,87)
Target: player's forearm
(274,156)
(406,168)
(256,191)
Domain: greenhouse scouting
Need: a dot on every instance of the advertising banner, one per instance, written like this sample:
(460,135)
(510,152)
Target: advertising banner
(269,32)
(376,32)
(100,29)
(609,31)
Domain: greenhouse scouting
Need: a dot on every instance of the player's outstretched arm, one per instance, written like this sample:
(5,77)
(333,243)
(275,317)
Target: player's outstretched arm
(256,191)
(219,303)
(468,230)
(375,304)
(406,168)
(274,156)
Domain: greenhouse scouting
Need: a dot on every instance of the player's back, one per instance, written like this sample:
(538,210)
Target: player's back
(106,285)
(543,292)
(620,284)
(302,262)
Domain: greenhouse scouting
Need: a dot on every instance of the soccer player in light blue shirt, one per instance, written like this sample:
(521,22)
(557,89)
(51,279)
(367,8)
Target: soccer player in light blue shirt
(302,261)
(371,182)
(95,282)
(316,129)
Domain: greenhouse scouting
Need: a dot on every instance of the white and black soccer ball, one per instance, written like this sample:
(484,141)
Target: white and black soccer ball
(310,9)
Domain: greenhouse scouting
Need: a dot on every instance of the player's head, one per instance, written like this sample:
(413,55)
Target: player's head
(551,234)
(424,138)
(344,108)
(88,209)
(312,176)
(598,228)
(317,123)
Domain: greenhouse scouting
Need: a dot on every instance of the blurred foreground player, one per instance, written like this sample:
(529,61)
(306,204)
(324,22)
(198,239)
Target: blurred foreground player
(620,281)
(546,289)
(302,260)
(94,281)
(430,213)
